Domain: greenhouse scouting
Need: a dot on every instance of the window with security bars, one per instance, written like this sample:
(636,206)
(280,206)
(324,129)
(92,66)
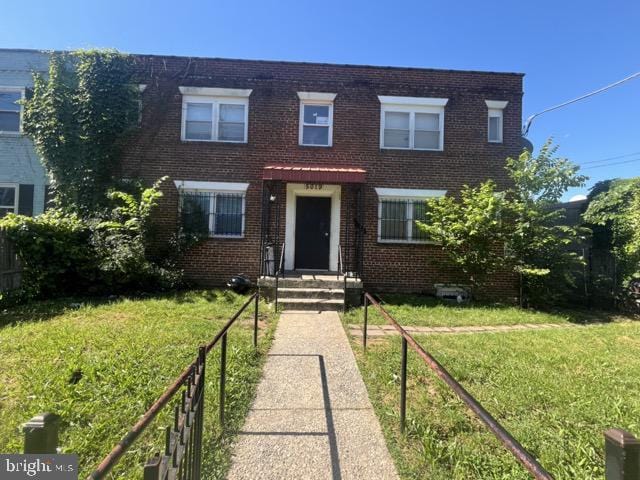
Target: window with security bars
(397,220)
(213,214)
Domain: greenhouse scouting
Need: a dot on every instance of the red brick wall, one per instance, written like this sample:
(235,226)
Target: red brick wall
(156,149)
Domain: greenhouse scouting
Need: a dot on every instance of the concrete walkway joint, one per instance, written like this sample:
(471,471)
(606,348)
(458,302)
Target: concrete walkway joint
(311,418)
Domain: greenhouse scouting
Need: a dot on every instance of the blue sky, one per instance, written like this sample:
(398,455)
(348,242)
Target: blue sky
(566,48)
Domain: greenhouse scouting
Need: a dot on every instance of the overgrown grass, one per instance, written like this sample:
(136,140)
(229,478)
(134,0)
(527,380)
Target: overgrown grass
(555,390)
(419,310)
(125,353)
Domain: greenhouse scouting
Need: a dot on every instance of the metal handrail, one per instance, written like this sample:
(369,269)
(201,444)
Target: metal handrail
(123,445)
(278,272)
(340,266)
(520,453)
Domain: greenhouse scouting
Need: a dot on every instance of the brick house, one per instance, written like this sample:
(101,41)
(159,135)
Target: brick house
(325,165)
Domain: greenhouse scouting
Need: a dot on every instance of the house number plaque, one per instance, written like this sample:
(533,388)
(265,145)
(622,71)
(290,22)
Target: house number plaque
(313,186)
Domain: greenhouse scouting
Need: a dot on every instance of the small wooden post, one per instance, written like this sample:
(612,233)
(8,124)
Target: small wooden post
(622,455)
(41,433)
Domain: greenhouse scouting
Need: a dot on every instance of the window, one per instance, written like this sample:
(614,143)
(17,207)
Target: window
(8,199)
(399,210)
(211,212)
(495,120)
(412,123)
(316,119)
(215,118)
(10,109)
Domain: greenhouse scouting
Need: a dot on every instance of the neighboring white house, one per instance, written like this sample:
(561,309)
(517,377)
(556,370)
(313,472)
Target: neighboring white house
(23,180)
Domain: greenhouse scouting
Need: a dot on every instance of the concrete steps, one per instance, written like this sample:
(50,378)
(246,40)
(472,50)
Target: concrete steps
(311,292)
(310,304)
(318,293)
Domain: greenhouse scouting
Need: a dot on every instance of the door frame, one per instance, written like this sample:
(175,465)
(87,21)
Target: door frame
(295,190)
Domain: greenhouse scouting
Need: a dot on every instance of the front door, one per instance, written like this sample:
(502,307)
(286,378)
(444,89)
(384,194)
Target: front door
(313,233)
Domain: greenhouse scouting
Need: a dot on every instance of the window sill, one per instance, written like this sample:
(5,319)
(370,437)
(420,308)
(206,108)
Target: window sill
(11,134)
(222,142)
(226,237)
(495,142)
(314,146)
(407,242)
(383,149)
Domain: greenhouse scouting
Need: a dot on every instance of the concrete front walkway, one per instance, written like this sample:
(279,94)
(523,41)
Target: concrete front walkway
(312,418)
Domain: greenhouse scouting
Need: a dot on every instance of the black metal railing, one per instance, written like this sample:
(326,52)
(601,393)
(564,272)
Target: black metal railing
(183,445)
(278,272)
(511,444)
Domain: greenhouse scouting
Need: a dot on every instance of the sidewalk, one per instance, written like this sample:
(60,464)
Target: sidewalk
(312,418)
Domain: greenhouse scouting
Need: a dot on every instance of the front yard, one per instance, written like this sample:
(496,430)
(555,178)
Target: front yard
(100,366)
(555,390)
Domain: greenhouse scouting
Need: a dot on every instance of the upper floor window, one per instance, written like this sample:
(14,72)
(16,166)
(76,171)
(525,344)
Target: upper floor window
(412,123)
(399,210)
(10,109)
(8,199)
(495,120)
(316,119)
(215,114)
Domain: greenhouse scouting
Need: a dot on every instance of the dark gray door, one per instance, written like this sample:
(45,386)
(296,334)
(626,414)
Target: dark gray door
(313,233)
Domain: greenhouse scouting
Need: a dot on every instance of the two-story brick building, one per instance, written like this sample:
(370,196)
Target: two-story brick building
(325,165)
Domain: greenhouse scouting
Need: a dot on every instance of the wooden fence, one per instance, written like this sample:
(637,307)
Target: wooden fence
(10,268)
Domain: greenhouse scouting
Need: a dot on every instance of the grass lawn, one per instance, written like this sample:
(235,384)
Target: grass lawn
(418,310)
(555,390)
(127,353)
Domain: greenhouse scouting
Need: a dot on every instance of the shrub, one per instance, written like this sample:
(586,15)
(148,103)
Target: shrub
(65,254)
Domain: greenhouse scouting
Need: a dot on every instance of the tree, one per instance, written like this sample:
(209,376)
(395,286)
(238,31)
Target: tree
(519,229)
(537,245)
(614,214)
(78,118)
(470,229)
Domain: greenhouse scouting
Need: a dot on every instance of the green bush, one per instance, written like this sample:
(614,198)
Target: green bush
(63,253)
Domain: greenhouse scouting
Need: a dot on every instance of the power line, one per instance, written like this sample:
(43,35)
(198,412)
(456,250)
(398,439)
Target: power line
(614,163)
(610,158)
(527,124)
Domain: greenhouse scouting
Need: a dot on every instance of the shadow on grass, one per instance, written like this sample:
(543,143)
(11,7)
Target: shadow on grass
(42,310)
(579,315)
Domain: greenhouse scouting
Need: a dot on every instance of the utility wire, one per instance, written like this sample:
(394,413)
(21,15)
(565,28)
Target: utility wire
(610,158)
(527,123)
(614,163)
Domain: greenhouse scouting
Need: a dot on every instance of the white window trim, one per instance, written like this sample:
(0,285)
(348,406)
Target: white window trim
(21,90)
(16,195)
(409,195)
(214,96)
(412,105)
(227,187)
(496,110)
(217,187)
(216,92)
(315,98)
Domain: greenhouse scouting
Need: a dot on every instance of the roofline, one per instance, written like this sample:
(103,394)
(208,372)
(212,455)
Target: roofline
(292,62)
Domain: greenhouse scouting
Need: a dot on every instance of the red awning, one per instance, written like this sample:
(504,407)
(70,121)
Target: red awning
(311,174)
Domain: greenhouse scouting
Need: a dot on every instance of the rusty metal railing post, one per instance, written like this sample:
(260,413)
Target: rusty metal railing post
(276,294)
(364,327)
(223,376)
(403,387)
(41,433)
(255,321)
(622,455)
